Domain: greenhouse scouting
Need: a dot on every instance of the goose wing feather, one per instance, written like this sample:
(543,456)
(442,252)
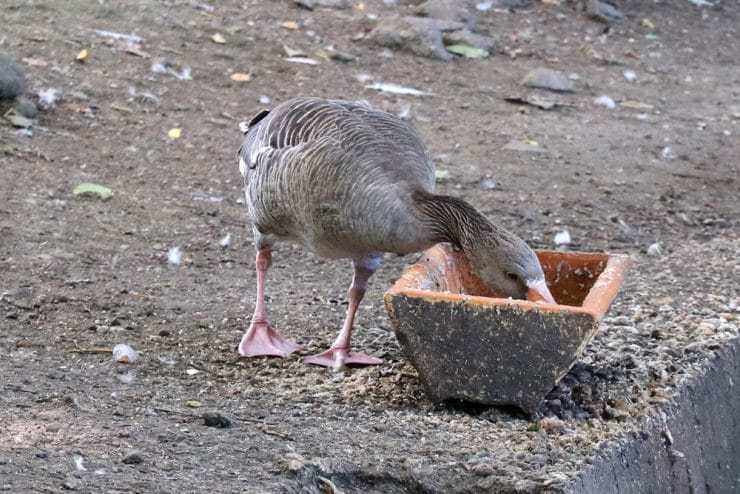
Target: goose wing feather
(335,176)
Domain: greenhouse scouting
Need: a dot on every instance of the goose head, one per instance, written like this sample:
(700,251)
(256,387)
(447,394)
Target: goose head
(505,262)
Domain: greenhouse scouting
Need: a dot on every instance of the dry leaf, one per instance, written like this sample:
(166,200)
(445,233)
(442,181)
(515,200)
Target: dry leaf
(240,77)
(82,56)
(218,38)
(289,24)
(135,50)
(647,23)
(292,52)
(78,107)
(174,133)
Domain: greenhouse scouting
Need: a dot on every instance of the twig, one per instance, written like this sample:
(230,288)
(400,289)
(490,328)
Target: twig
(92,350)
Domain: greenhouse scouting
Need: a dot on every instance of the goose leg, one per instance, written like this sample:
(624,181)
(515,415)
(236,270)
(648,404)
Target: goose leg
(340,353)
(261,338)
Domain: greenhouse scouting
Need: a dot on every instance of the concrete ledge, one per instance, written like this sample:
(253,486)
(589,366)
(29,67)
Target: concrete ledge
(696,449)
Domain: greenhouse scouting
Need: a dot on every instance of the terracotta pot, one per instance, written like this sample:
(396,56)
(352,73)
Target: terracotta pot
(468,344)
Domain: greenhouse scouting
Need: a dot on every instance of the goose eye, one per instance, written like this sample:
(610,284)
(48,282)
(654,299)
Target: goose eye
(512,276)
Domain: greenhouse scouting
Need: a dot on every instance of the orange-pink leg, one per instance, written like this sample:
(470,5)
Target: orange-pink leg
(261,338)
(340,353)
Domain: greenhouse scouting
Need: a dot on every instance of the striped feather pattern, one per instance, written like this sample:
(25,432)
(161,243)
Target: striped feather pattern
(345,180)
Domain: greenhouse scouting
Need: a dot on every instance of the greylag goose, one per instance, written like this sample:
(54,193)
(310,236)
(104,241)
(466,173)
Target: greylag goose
(348,181)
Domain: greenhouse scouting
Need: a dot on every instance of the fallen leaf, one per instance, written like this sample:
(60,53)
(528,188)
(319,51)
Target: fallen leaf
(322,55)
(79,107)
(289,25)
(93,189)
(240,77)
(292,52)
(121,108)
(441,175)
(531,142)
(194,403)
(637,105)
(647,23)
(174,133)
(82,56)
(218,38)
(135,50)
(467,51)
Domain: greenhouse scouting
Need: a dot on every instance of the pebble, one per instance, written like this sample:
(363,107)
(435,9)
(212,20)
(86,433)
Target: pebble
(418,35)
(27,108)
(133,458)
(543,78)
(57,374)
(449,10)
(482,470)
(603,11)
(217,419)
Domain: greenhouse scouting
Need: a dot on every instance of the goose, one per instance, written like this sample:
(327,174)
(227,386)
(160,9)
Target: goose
(345,180)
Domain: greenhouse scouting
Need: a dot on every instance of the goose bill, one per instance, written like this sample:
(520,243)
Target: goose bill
(537,291)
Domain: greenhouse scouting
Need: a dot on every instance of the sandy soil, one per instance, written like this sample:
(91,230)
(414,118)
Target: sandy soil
(79,275)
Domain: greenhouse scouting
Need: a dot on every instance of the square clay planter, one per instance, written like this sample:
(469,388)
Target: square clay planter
(468,344)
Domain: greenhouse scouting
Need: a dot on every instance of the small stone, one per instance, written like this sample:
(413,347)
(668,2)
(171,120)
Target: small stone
(133,458)
(71,484)
(58,375)
(27,108)
(217,419)
(552,425)
(483,470)
(554,80)
(603,11)
(418,35)
(20,122)
(449,10)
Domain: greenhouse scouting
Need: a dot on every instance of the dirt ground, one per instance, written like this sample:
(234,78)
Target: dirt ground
(79,275)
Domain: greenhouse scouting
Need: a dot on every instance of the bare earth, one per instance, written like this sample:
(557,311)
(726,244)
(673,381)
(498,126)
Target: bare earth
(79,275)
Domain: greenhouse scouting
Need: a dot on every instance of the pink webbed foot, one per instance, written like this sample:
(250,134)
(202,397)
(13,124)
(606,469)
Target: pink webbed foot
(338,358)
(262,340)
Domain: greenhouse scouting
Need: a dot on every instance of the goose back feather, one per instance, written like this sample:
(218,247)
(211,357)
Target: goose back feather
(336,176)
